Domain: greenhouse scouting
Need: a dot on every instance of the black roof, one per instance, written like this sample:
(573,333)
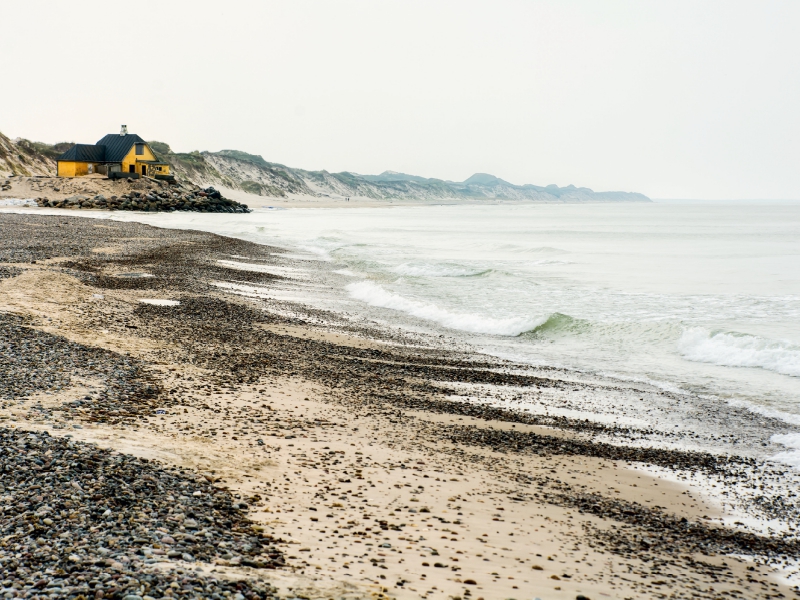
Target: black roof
(118,146)
(112,148)
(85,153)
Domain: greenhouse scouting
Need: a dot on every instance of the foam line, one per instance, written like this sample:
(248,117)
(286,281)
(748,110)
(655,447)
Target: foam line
(375,295)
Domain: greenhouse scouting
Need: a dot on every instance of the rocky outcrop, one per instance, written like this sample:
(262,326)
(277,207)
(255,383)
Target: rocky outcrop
(165,200)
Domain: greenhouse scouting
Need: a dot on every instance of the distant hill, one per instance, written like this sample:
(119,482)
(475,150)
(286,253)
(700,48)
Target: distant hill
(485,179)
(395,176)
(250,173)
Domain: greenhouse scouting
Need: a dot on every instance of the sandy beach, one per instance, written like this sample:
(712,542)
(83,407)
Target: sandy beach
(337,451)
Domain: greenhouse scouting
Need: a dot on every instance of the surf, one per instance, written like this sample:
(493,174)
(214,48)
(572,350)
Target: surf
(375,295)
(735,349)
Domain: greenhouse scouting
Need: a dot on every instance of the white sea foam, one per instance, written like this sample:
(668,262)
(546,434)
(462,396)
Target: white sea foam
(732,349)
(791,418)
(373,294)
(318,252)
(663,385)
(791,441)
(556,411)
(297,256)
(523,249)
(159,302)
(435,270)
(254,291)
(271,293)
(17,202)
(257,268)
(547,261)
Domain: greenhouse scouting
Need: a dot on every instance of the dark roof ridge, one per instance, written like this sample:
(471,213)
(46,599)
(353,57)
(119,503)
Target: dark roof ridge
(85,153)
(110,148)
(118,146)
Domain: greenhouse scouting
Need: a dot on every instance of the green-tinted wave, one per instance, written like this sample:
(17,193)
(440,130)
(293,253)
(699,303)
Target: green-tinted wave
(558,324)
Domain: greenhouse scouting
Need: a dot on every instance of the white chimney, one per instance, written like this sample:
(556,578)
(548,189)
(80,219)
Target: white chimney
(124,130)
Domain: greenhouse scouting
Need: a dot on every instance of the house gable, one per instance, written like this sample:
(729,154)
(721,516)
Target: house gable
(118,146)
(131,158)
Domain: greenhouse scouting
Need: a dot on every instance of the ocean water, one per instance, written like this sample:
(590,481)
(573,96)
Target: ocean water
(701,297)
(697,298)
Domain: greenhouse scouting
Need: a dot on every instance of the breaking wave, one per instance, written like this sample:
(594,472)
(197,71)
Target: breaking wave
(791,456)
(375,295)
(732,349)
(434,270)
(558,323)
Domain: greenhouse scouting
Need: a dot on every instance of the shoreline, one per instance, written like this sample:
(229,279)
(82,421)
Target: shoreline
(318,417)
(60,188)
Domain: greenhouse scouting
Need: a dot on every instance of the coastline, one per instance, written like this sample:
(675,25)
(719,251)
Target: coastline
(344,424)
(61,188)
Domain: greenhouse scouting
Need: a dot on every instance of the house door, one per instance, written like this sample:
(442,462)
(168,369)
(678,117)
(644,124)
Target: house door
(144,169)
(131,169)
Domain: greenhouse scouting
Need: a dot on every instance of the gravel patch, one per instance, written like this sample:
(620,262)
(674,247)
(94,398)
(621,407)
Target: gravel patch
(35,361)
(78,520)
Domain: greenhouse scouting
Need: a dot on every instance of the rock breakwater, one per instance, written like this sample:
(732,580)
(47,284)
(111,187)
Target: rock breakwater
(163,200)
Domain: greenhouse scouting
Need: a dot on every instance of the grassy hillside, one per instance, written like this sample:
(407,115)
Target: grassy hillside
(23,157)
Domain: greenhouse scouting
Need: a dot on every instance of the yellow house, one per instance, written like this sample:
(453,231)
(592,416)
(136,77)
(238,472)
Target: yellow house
(123,155)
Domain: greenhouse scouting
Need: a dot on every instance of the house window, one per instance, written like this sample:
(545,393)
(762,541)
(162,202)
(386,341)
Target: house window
(139,149)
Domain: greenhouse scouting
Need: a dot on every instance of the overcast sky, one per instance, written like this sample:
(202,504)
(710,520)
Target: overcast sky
(674,99)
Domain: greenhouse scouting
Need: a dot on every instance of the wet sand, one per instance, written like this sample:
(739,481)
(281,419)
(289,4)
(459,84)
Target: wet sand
(344,441)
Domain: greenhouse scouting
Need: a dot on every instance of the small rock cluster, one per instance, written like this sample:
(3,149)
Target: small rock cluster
(79,521)
(164,200)
(7,272)
(29,364)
